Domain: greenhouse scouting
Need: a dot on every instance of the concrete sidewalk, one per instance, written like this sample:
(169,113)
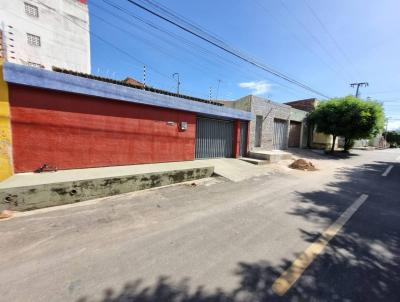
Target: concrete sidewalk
(235,169)
(30,179)
(28,191)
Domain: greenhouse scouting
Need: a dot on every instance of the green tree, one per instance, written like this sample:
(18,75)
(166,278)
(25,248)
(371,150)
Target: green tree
(393,138)
(348,117)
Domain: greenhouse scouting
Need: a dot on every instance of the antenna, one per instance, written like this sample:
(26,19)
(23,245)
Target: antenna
(144,76)
(178,82)
(219,82)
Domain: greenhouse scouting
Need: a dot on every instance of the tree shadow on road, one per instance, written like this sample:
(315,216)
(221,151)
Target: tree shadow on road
(322,155)
(361,263)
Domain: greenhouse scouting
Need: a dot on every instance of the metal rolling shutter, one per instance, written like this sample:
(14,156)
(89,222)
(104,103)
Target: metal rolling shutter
(214,138)
(280,134)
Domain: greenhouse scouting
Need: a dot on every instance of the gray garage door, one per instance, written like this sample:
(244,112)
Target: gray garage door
(214,138)
(280,134)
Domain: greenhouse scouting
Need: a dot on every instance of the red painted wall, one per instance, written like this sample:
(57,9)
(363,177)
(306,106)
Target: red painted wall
(236,139)
(74,131)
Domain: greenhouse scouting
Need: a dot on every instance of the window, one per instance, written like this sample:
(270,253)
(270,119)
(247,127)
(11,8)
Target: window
(31,10)
(33,40)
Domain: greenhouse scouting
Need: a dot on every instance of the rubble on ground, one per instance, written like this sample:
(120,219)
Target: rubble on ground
(6,214)
(302,164)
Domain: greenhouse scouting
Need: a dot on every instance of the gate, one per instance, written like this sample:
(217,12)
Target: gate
(214,138)
(243,139)
(294,134)
(280,134)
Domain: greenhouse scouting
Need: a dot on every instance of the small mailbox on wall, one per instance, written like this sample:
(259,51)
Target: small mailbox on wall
(183,126)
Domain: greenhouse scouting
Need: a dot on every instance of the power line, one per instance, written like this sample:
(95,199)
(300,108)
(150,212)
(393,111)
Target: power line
(116,47)
(157,48)
(186,42)
(291,32)
(229,50)
(314,37)
(150,43)
(290,90)
(331,36)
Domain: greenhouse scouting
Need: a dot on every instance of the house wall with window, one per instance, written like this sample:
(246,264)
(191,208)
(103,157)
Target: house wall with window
(46,33)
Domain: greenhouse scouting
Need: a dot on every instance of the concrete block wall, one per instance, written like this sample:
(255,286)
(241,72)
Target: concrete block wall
(301,116)
(270,111)
(266,108)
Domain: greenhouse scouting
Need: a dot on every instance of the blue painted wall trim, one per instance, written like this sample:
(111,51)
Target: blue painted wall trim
(40,78)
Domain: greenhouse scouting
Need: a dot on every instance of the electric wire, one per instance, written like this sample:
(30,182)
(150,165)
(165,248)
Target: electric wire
(223,46)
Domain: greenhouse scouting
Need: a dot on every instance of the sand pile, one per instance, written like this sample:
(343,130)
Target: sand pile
(302,164)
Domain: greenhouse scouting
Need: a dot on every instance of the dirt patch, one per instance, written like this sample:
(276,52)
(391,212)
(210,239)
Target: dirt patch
(302,164)
(6,214)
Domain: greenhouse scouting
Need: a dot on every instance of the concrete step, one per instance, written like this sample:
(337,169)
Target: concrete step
(271,156)
(254,161)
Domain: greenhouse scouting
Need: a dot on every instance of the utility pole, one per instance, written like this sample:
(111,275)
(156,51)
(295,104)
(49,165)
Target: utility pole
(144,76)
(216,97)
(178,82)
(358,85)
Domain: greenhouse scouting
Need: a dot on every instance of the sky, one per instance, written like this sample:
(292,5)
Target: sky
(325,45)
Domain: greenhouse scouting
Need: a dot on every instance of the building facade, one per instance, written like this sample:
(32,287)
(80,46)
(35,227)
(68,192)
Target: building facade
(274,126)
(298,129)
(69,121)
(315,139)
(46,33)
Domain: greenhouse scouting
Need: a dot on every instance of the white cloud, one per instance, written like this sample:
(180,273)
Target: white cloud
(256,87)
(393,125)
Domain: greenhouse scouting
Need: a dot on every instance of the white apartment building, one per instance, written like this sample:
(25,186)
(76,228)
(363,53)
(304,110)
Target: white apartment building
(46,33)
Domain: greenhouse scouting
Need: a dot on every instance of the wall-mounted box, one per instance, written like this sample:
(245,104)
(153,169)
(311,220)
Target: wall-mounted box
(183,126)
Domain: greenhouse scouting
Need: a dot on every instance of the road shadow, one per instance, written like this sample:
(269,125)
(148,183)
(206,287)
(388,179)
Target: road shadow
(322,155)
(361,263)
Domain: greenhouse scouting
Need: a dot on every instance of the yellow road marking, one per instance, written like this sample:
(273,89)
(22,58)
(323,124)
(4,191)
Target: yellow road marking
(294,272)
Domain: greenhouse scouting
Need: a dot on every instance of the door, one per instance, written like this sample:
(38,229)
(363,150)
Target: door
(259,122)
(214,138)
(243,139)
(280,134)
(294,134)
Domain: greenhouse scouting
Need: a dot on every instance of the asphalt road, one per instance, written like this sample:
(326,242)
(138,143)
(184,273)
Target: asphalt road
(217,241)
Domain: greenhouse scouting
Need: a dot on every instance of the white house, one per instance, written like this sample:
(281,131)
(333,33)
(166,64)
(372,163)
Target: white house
(46,33)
